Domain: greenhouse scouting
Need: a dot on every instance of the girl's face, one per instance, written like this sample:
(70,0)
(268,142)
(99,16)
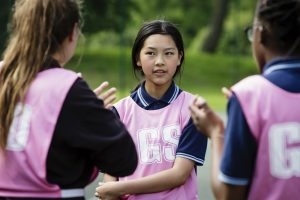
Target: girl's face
(159,59)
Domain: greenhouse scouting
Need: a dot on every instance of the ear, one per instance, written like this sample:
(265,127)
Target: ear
(262,36)
(138,63)
(74,33)
(179,58)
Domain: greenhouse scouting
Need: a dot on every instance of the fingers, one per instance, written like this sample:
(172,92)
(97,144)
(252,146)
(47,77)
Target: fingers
(108,94)
(108,97)
(101,183)
(79,74)
(198,110)
(227,93)
(199,102)
(97,194)
(101,88)
(196,113)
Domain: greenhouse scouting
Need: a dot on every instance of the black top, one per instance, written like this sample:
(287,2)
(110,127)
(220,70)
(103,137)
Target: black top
(88,135)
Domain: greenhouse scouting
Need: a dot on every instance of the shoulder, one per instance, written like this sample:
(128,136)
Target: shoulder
(58,72)
(186,97)
(124,105)
(55,78)
(123,102)
(248,83)
(80,92)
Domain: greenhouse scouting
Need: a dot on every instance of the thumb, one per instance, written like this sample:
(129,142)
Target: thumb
(227,93)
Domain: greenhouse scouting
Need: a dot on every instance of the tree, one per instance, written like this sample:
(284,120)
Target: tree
(4,15)
(110,15)
(219,15)
(189,15)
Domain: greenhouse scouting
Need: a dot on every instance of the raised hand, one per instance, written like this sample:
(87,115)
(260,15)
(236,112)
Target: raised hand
(205,119)
(108,96)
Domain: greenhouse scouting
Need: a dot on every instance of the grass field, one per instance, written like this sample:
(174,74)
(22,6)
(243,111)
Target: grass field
(203,74)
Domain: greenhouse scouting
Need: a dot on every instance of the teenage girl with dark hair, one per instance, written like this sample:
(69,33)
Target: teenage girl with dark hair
(157,116)
(55,134)
(261,154)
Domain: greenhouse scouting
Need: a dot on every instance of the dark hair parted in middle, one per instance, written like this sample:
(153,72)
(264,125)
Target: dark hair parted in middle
(156,27)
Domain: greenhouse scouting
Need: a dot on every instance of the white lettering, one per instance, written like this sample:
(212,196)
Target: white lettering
(284,141)
(19,130)
(157,144)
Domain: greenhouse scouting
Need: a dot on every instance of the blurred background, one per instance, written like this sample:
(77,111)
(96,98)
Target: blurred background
(217,51)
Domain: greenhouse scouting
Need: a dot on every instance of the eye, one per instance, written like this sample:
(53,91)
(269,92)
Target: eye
(170,53)
(150,53)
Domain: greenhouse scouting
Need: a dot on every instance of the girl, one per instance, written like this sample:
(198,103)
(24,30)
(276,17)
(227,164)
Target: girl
(55,134)
(157,116)
(261,153)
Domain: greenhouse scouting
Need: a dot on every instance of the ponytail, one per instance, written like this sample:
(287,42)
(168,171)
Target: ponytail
(38,28)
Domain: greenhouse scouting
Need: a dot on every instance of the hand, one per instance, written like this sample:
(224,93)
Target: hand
(105,191)
(108,97)
(227,93)
(205,119)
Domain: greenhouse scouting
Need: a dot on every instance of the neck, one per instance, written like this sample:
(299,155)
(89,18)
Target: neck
(156,91)
(267,57)
(58,57)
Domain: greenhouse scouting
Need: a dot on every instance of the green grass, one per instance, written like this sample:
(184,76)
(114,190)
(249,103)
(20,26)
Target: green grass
(203,74)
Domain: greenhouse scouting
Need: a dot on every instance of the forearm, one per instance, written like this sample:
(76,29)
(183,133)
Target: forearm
(158,182)
(216,151)
(108,178)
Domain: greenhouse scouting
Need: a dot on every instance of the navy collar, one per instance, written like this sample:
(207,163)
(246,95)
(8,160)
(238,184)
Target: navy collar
(170,95)
(281,63)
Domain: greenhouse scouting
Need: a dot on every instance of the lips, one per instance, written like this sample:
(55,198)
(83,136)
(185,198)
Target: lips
(159,71)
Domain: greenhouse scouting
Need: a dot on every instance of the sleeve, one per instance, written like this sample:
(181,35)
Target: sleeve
(192,144)
(114,110)
(88,126)
(240,147)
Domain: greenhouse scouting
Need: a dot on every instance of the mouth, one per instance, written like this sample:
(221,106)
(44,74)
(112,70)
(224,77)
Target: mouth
(159,71)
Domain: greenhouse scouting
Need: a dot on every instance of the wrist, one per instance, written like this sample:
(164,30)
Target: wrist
(217,131)
(120,189)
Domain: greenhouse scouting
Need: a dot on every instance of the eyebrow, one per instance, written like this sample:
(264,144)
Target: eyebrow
(166,49)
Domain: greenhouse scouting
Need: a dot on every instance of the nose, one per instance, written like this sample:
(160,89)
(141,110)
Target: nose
(159,60)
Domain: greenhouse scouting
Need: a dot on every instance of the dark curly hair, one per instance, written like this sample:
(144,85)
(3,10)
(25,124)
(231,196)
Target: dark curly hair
(281,19)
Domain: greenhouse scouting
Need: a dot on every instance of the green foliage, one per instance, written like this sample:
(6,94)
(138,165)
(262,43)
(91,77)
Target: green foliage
(110,23)
(189,15)
(233,40)
(197,42)
(106,15)
(119,27)
(5,9)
